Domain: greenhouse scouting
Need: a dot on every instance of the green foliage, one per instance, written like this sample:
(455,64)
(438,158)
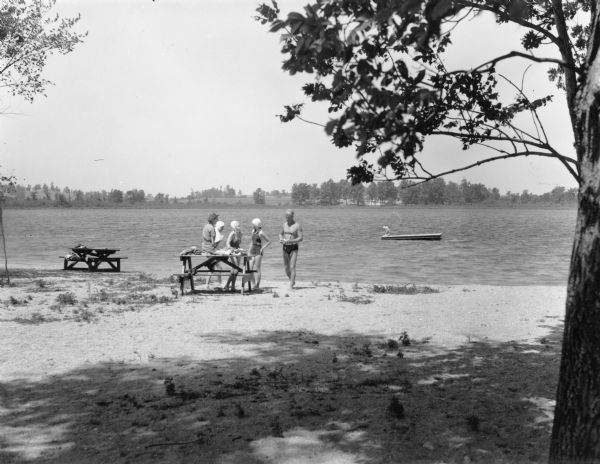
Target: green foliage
(409,289)
(259,196)
(358,299)
(28,35)
(66,298)
(440,192)
(379,66)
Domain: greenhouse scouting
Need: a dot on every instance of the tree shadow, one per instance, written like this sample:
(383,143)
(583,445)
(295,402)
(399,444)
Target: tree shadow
(297,397)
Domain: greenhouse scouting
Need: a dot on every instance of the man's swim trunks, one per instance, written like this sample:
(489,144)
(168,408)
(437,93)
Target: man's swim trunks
(289,248)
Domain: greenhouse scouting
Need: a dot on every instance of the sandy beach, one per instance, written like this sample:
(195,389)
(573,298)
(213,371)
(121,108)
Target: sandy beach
(122,368)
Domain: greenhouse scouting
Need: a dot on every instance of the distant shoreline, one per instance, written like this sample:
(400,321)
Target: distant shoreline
(204,206)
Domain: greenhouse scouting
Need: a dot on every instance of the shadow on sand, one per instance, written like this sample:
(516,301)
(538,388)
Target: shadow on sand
(303,397)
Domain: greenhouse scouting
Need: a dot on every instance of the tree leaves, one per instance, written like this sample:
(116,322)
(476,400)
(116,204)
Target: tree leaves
(531,40)
(379,67)
(27,38)
(291,111)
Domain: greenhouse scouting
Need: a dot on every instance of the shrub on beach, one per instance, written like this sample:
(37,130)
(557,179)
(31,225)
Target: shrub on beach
(85,315)
(67,298)
(35,318)
(408,289)
(359,299)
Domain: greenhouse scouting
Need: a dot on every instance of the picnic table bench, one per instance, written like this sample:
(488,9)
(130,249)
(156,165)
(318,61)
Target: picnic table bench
(208,266)
(93,258)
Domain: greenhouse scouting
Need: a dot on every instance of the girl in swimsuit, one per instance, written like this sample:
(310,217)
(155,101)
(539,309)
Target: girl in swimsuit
(260,241)
(234,241)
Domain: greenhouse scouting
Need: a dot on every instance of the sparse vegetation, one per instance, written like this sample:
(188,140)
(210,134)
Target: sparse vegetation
(67,298)
(392,345)
(35,318)
(169,386)
(404,339)
(358,299)
(408,289)
(15,301)
(85,315)
(396,408)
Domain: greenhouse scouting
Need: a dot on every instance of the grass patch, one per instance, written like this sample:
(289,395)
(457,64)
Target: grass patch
(67,298)
(84,315)
(408,289)
(358,299)
(35,318)
(101,296)
(12,301)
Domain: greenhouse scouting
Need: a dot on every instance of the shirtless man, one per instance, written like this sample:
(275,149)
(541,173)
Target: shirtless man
(289,237)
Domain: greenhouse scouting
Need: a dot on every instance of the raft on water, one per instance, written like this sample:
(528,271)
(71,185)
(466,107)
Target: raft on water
(412,237)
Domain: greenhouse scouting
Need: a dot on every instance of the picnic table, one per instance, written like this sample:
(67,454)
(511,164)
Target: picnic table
(93,258)
(198,264)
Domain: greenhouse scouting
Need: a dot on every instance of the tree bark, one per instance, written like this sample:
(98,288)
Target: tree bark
(576,429)
(4,244)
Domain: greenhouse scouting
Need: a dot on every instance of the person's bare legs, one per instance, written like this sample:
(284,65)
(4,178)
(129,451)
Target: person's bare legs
(292,268)
(230,284)
(256,262)
(286,263)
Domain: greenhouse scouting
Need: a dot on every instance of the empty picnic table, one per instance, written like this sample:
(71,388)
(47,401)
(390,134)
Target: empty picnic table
(207,266)
(93,258)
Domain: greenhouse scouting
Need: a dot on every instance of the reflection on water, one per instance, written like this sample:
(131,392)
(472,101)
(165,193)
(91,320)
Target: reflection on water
(485,246)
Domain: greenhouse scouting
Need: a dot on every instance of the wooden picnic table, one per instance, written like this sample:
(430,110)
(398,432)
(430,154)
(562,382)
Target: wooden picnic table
(207,264)
(93,258)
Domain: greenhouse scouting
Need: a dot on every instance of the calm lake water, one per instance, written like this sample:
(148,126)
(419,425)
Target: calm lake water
(479,246)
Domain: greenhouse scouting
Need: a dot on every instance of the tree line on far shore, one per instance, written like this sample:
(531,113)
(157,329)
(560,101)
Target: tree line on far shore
(329,193)
(434,192)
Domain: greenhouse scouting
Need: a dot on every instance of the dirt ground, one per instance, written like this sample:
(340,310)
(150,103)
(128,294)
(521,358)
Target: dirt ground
(121,368)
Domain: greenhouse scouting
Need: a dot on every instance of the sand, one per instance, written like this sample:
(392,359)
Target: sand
(67,336)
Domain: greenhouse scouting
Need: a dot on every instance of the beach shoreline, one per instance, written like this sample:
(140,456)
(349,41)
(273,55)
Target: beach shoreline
(58,325)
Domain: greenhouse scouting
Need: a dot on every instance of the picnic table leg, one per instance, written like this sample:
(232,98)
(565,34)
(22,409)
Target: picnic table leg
(247,275)
(116,268)
(192,289)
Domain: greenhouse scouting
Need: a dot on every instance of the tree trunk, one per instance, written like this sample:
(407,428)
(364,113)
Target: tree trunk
(576,430)
(4,244)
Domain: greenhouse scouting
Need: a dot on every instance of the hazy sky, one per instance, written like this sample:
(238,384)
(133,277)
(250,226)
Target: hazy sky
(179,95)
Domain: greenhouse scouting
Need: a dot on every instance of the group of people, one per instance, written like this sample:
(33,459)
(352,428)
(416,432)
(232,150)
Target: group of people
(290,236)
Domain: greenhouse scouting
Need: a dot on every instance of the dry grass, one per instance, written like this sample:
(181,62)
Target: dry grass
(408,289)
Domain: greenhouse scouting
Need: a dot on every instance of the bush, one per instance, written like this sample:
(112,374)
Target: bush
(359,299)
(67,298)
(408,289)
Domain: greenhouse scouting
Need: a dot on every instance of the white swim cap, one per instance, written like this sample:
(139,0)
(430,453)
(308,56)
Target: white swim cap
(256,222)
(234,224)
(219,225)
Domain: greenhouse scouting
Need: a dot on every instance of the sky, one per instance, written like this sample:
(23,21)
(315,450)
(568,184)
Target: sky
(179,95)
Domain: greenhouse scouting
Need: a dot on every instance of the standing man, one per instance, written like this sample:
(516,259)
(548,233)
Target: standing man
(289,237)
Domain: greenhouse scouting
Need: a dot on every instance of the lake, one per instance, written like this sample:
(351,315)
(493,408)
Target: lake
(479,246)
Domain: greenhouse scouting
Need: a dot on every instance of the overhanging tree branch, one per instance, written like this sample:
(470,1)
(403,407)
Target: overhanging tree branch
(518,20)
(515,54)
(423,179)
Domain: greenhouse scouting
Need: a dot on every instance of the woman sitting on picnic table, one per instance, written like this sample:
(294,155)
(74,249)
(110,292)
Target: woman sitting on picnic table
(260,241)
(234,241)
(209,234)
(219,245)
